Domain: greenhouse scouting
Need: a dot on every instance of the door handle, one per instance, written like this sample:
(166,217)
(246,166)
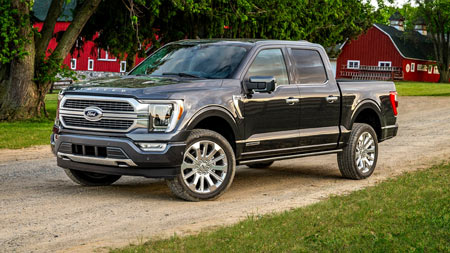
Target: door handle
(331,99)
(292,101)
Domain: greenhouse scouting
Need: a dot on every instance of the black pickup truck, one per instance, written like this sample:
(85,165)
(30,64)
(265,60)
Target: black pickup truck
(195,109)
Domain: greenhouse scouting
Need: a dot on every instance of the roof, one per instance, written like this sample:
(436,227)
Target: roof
(410,44)
(40,9)
(396,16)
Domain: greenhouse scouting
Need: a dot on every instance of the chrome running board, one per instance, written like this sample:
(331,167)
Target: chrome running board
(284,157)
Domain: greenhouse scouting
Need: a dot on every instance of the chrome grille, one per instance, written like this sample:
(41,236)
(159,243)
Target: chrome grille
(118,114)
(101,124)
(104,105)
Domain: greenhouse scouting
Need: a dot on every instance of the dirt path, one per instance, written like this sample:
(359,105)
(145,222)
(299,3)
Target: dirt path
(42,211)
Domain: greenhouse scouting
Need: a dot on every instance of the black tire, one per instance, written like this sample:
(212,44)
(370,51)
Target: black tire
(90,178)
(347,159)
(180,187)
(260,165)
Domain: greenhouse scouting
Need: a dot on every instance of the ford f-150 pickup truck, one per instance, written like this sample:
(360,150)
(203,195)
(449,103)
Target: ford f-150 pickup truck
(195,109)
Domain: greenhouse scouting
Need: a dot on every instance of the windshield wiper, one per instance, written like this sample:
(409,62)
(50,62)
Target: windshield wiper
(182,74)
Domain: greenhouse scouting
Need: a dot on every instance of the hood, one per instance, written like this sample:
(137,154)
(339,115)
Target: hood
(142,87)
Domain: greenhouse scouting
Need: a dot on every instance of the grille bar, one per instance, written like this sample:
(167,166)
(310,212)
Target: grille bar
(119,106)
(101,124)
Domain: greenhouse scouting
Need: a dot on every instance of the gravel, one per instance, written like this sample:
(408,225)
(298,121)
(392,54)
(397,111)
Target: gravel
(41,210)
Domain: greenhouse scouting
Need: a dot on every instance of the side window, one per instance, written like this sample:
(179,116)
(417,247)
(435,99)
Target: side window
(309,67)
(269,62)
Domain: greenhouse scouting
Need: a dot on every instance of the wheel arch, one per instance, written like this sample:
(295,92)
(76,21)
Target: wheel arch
(369,112)
(217,119)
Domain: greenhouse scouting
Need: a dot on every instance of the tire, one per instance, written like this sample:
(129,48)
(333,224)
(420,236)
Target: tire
(91,178)
(217,162)
(358,161)
(260,165)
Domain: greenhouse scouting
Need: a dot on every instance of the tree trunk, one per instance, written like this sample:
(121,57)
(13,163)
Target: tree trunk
(19,98)
(445,75)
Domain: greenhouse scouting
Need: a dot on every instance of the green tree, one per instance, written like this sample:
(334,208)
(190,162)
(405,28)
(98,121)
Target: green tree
(25,71)
(436,14)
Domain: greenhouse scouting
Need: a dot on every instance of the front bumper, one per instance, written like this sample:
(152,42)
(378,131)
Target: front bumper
(121,156)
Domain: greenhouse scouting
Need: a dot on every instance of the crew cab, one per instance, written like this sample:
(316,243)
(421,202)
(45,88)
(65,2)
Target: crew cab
(195,109)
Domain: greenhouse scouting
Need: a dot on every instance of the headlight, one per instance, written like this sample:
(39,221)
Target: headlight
(164,115)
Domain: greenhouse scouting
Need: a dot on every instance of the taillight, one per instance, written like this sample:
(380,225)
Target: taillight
(394,101)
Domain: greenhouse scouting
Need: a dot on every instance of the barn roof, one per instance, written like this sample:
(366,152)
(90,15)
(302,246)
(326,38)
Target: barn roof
(410,44)
(40,9)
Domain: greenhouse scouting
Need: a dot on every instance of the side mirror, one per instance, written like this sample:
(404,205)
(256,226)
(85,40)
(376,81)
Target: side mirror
(261,83)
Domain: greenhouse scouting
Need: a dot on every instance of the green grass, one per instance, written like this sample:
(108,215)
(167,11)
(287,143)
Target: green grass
(408,214)
(20,134)
(422,89)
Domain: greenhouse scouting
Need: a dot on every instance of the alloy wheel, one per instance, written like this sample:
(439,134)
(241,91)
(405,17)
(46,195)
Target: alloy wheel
(204,166)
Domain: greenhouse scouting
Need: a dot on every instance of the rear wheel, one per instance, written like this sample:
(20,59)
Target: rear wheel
(208,167)
(91,178)
(260,165)
(359,158)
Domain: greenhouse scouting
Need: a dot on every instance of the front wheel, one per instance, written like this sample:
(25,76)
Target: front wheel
(91,178)
(208,167)
(359,158)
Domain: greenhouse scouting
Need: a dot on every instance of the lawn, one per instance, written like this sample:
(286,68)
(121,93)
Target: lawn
(408,214)
(28,133)
(422,89)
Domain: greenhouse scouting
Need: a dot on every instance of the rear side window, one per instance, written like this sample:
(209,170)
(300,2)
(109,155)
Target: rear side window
(269,62)
(309,67)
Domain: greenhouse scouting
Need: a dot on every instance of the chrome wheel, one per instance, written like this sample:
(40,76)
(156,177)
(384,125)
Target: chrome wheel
(204,166)
(365,152)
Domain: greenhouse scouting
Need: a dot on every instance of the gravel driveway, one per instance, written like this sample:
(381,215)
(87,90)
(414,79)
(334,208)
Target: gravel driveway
(41,210)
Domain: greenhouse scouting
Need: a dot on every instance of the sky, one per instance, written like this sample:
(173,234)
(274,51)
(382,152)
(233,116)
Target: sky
(397,3)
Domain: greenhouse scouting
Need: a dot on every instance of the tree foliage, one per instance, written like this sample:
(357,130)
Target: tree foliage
(436,14)
(327,22)
(11,21)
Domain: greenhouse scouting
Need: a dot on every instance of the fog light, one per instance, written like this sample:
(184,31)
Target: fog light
(152,146)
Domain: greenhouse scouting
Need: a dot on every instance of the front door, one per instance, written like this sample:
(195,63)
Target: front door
(319,100)
(271,119)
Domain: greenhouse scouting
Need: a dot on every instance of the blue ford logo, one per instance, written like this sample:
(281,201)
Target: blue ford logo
(93,113)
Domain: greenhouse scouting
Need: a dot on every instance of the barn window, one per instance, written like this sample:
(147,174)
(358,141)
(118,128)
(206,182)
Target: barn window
(413,67)
(430,69)
(123,66)
(73,63)
(384,64)
(90,64)
(352,64)
(421,67)
(436,70)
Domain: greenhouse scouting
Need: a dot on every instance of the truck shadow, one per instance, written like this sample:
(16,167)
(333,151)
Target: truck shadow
(246,180)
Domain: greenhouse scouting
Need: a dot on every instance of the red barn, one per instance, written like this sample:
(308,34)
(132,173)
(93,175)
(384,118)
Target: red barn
(89,58)
(388,52)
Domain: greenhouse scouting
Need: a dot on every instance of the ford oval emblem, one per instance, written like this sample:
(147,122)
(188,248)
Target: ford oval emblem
(93,113)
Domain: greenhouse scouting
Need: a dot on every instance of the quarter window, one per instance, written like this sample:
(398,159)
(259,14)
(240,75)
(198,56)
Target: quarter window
(269,62)
(309,67)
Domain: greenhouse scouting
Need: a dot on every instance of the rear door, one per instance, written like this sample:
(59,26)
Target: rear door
(319,99)
(271,119)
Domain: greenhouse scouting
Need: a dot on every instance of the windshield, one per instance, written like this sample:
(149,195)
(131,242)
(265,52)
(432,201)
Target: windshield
(216,61)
